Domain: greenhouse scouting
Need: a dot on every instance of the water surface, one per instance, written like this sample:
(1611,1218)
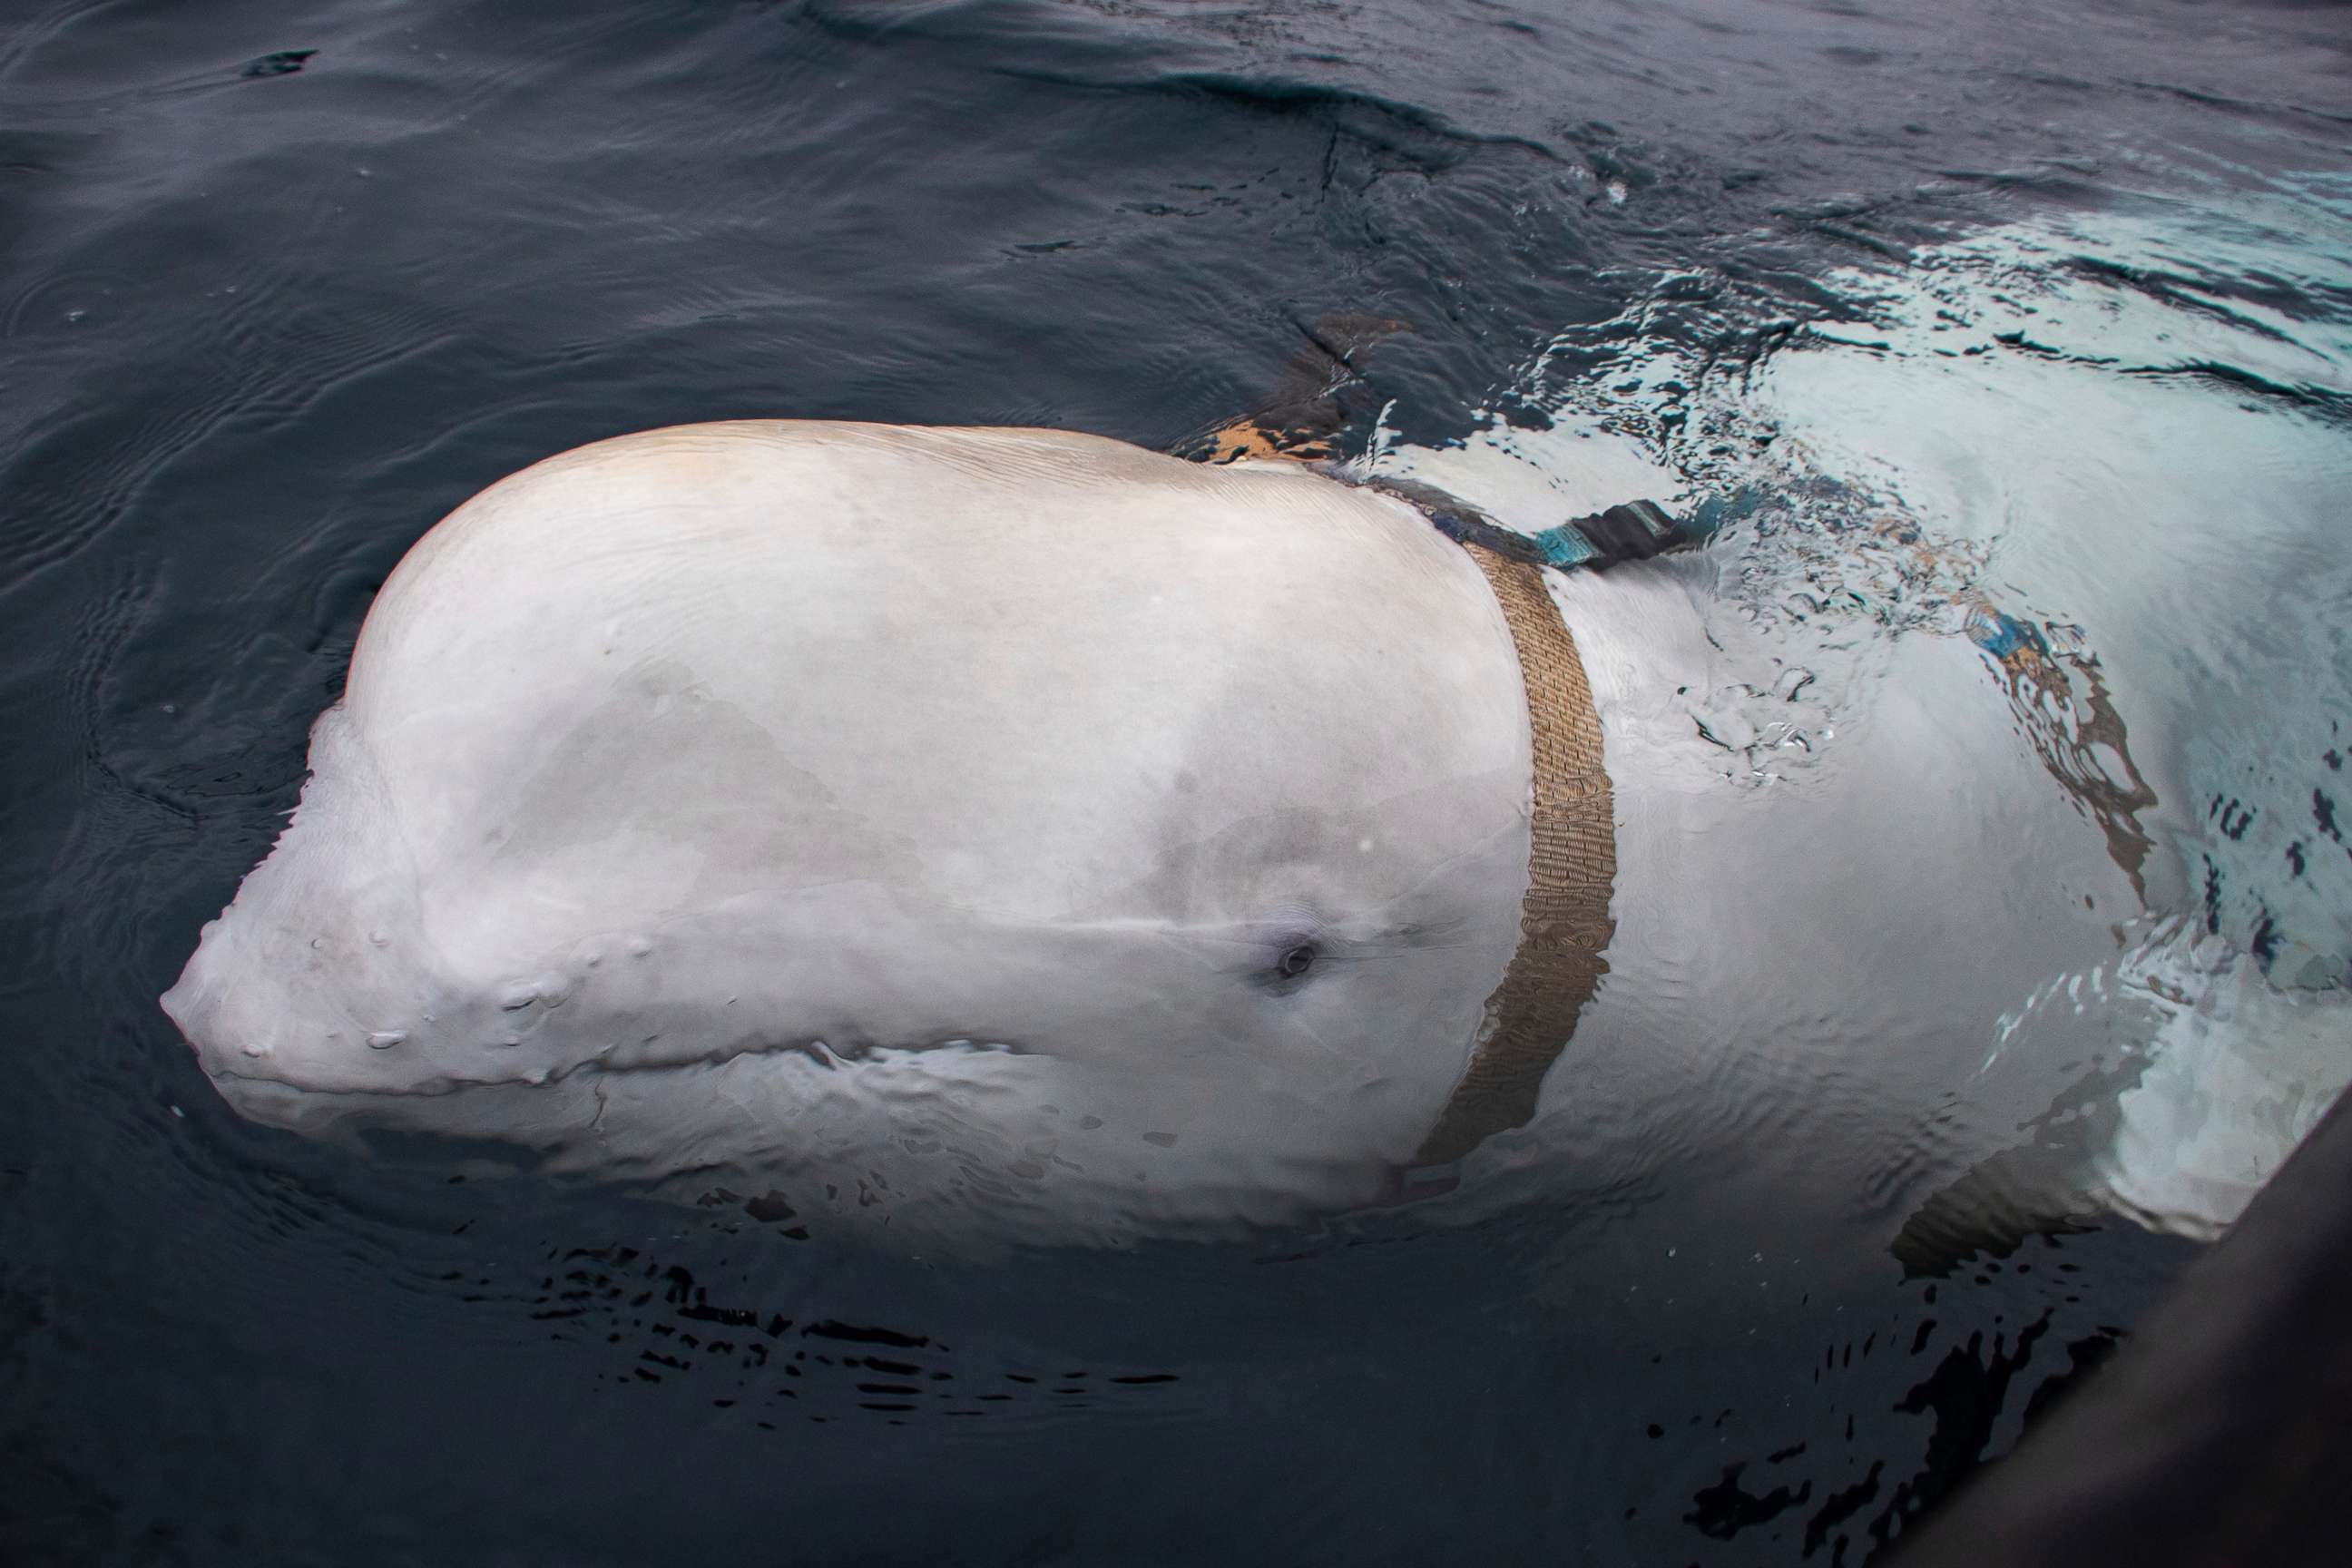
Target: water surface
(2061,291)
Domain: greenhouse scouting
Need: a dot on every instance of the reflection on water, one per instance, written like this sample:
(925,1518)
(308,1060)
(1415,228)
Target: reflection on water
(2062,704)
(1984,831)
(771,1368)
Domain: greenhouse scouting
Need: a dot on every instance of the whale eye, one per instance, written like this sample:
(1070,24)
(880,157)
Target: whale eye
(1295,961)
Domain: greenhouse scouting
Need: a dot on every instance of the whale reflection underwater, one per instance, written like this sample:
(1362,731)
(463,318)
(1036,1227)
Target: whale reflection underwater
(1011,835)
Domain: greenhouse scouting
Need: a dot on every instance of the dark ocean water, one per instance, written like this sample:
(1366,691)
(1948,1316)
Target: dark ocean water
(279,288)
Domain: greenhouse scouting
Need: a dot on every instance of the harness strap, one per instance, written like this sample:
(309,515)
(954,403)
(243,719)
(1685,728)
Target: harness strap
(1632,530)
(1564,923)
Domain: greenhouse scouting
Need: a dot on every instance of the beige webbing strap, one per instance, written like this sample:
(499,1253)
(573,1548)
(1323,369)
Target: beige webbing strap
(1564,925)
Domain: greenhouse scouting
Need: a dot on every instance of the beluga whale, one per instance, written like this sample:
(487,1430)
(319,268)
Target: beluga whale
(1017,836)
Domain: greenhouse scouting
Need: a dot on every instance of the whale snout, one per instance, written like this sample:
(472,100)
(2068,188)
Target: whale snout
(252,1021)
(329,1014)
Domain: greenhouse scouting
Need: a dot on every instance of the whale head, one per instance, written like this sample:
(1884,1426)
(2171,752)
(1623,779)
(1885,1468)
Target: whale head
(1033,822)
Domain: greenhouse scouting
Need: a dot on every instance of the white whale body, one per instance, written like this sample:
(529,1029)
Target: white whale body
(1016,835)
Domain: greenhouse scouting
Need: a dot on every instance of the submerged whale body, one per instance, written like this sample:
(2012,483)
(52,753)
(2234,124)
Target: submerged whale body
(972,823)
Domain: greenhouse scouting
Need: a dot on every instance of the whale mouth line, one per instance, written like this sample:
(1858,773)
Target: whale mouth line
(818,1052)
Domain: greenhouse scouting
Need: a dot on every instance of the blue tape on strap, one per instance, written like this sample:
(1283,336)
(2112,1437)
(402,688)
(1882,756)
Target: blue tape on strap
(1563,547)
